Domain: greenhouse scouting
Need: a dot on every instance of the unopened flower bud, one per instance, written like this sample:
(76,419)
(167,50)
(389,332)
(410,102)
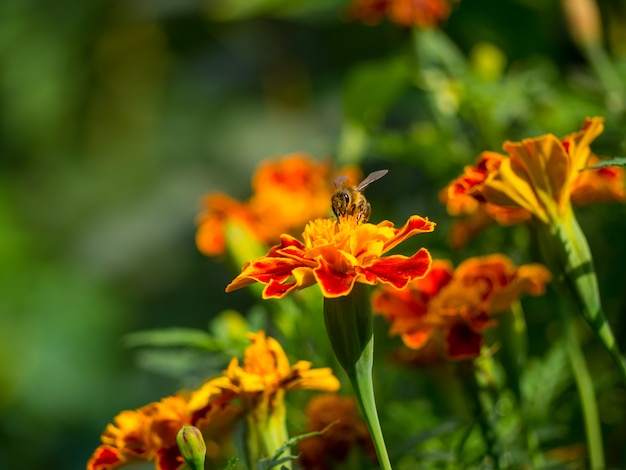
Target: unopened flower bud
(192,446)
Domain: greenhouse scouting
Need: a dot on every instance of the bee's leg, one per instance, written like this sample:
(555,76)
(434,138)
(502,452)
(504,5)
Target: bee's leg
(364,211)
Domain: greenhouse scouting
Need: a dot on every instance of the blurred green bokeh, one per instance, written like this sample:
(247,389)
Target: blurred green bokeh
(118,116)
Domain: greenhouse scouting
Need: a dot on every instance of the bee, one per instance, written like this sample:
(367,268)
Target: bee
(348,200)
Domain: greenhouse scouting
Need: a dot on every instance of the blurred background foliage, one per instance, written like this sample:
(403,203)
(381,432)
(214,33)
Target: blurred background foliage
(117,116)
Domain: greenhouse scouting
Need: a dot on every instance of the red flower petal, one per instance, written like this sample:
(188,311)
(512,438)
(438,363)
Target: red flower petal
(265,270)
(333,283)
(413,226)
(106,458)
(286,241)
(417,339)
(169,459)
(399,270)
(462,342)
(276,290)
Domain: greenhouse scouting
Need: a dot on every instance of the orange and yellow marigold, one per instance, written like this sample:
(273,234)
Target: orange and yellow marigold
(451,308)
(540,178)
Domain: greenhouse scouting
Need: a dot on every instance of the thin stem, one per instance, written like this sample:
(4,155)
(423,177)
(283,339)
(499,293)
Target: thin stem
(483,407)
(585,391)
(514,353)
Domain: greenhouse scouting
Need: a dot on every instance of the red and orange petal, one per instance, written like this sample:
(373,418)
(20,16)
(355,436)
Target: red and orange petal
(108,457)
(408,13)
(419,13)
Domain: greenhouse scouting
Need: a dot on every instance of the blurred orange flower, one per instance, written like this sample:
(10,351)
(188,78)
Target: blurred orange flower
(287,193)
(540,178)
(343,429)
(264,374)
(453,307)
(149,433)
(409,13)
(336,255)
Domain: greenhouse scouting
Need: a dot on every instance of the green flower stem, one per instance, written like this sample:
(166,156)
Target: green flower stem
(514,355)
(348,322)
(567,253)
(514,345)
(585,391)
(483,406)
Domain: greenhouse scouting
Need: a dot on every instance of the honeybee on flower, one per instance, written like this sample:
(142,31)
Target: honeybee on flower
(349,200)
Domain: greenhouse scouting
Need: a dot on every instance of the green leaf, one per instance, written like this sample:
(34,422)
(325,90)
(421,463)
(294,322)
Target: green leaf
(171,337)
(276,459)
(617,161)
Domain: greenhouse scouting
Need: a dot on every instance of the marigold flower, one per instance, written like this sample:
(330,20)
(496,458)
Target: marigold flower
(540,178)
(287,193)
(336,255)
(408,13)
(453,307)
(264,372)
(343,430)
(149,433)
(256,389)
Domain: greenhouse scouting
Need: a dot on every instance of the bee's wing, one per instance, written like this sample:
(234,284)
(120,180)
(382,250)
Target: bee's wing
(340,181)
(369,179)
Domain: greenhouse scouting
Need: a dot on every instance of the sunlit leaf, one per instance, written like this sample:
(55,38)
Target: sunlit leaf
(616,161)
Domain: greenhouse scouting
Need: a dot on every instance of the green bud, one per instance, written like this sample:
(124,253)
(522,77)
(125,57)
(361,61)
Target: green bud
(192,446)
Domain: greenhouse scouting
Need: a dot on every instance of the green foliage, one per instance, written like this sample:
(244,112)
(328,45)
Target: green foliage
(278,458)
(617,161)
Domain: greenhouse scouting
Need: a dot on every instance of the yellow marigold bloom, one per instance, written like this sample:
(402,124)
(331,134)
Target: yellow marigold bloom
(541,177)
(343,430)
(287,193)
(266,370)
(149,433)
(408,13)
(453,307)
(336,255)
